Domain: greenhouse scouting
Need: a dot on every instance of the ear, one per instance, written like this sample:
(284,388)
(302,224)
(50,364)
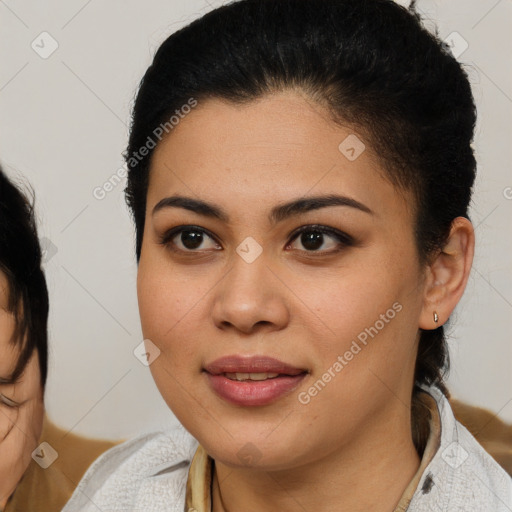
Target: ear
(447,275)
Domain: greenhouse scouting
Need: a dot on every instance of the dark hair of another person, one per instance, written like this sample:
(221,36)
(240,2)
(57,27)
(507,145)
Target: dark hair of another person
(374,66)
(20,261)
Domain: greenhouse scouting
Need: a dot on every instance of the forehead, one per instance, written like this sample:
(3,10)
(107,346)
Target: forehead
(8,353)
(4,291)
(267,132)
(282,145)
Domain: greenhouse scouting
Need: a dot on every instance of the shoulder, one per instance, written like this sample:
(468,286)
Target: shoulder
(494,434)
(75,452)
(147,473)
(462,476)
(50,487)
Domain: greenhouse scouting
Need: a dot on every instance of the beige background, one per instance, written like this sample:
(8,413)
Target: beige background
(64,126)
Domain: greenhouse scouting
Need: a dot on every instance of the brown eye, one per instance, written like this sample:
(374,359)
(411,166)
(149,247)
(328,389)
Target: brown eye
(189,239)
(313,238)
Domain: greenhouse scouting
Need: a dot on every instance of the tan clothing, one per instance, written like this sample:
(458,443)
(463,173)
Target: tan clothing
(489,430)
(48,490)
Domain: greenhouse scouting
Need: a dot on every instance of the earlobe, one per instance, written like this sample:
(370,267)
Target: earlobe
(447,275)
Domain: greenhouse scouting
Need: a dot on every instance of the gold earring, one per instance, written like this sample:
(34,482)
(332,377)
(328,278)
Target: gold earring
(436,317)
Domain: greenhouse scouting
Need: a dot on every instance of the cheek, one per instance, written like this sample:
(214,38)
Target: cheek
(20,432)
(369,318)
(158,299)
(8,417)
(37,420)
(344,306)
(164,302)
(170,309)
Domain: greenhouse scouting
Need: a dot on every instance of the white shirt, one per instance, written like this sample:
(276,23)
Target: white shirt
(150,474)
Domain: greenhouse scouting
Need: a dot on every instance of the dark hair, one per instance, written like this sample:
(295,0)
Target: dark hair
(371,63)
(20,261)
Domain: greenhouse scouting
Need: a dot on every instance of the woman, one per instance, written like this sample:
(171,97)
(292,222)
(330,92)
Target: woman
(23,337)
(299,176)
(33,476)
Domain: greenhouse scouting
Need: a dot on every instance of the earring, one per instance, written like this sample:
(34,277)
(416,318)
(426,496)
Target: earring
(436,317)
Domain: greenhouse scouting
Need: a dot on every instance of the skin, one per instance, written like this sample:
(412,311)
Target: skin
(20,425)
(350,447)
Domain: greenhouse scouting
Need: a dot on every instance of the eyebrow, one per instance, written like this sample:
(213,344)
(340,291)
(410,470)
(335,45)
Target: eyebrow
(278,213)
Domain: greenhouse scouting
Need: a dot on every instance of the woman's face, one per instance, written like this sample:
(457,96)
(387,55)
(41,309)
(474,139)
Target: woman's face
(339,314)
(21,406)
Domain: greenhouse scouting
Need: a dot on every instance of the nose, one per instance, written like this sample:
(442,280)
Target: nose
(250,298)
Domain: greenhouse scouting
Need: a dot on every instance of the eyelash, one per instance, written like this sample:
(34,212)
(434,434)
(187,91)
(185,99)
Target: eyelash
(343,239)
(8,402)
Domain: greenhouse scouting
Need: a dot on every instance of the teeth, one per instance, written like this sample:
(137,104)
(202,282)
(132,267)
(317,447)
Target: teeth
(251,376)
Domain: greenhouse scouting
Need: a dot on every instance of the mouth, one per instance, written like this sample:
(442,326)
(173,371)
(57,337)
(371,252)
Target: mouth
(252,381)
(251,376)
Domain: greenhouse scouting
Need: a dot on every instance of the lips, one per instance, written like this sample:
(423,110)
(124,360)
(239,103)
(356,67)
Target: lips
(251,381)
(253,364)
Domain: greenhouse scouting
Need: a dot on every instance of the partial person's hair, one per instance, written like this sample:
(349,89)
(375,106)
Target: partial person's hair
(20,261)
(373,65)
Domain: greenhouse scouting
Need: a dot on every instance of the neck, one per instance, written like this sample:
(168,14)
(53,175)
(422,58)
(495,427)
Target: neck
(370,474)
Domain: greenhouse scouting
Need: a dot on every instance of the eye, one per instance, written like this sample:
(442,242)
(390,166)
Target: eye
(8,402)
(188,239)
(313,237)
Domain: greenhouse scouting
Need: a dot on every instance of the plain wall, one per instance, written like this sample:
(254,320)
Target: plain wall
(64,126)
